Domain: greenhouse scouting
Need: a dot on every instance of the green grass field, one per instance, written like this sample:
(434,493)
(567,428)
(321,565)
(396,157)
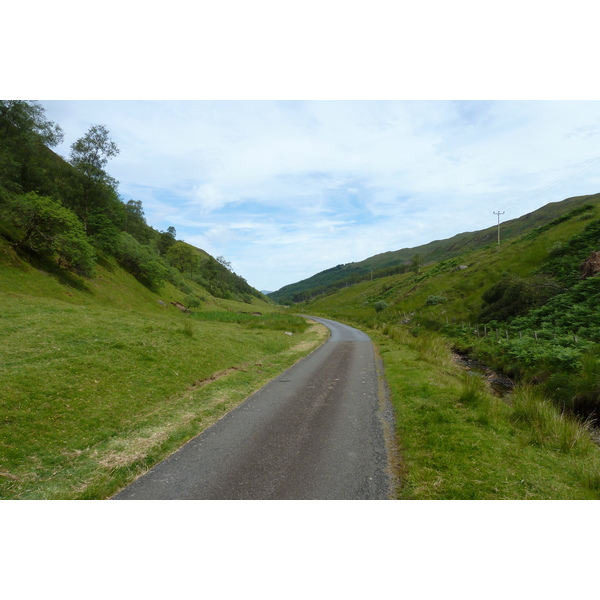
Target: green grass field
(459,441)
(91,397)
(101,378)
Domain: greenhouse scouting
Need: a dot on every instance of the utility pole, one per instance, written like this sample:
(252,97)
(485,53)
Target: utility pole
(498,213)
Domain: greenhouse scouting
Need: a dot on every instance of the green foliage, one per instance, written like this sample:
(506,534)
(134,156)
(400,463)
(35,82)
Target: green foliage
(224,262)
(514,295)
(192,301)
(416,262)
(135,222)
(102,231)
(585,210)
(24,134)
(380,305)
(166,240)
(543,425)
(27,117)
(47,227)
(90,153)
(433,300)
(183,257)
(565,259)
(573,312)
(459,441)
(140,261)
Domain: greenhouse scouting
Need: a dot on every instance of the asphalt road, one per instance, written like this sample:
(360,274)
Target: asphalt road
(314,432)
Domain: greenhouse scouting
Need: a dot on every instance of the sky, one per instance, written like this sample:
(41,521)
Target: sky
(285,189)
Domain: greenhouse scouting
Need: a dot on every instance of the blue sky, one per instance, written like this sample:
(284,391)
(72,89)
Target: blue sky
(291,138)
(285,189)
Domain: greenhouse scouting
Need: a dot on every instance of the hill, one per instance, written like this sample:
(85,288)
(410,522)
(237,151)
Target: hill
(118,342)
(492,359)
(398,261)
(68,218)
(528,306)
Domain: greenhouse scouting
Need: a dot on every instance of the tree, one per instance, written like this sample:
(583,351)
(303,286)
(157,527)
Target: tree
(24,130)
(50,229)
(89,155)
(140,261)
(135,221)
(415,263)
(26,118)
(183,257)
(166,240)
(221,260)
(192,301)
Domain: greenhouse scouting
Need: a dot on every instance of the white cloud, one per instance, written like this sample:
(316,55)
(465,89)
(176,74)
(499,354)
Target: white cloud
(285,189)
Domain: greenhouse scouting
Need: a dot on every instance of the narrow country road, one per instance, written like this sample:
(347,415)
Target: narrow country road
(318,431)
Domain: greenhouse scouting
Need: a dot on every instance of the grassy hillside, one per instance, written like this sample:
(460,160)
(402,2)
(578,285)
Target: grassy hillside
(101,372)
(100,378)
(522,309)
(388,263)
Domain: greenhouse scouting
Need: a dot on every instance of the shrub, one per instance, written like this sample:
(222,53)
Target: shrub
(191,301)
(514,295)
(432,300)
(140,261)
(50,229)
(380,306)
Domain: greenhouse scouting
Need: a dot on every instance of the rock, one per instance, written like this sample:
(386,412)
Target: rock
(180,306)
(590,267)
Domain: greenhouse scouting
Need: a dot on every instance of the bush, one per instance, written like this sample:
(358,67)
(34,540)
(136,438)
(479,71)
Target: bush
(514,295)
(380,306)
(432,300)
(191,301)
(48,228)
(140,261)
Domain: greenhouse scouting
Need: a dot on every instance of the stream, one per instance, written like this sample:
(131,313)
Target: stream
(500,384)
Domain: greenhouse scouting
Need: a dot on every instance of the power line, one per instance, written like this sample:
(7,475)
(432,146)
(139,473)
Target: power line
(577,170)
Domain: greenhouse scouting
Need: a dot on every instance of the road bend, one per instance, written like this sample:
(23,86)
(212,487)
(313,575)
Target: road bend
(318,431)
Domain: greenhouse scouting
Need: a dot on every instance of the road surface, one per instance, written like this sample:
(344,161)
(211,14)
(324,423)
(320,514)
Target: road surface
(318,431)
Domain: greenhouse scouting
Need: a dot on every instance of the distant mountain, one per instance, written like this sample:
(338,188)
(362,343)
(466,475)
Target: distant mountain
(389,263)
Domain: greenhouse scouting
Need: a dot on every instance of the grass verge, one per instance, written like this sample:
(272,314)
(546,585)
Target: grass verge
(90,397)
(457,440)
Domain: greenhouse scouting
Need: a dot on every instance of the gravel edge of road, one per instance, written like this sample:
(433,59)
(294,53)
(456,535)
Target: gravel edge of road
(386,416)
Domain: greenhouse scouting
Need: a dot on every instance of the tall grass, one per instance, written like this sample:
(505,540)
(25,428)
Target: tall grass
(542,423)
(458,440)
(429,346)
